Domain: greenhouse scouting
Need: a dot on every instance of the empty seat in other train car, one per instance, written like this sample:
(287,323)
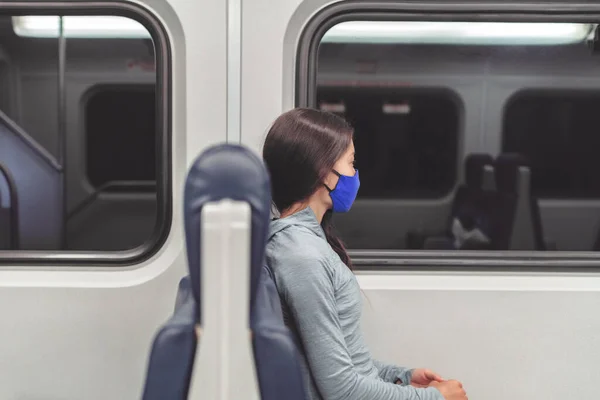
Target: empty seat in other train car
(9,234)
(4,226)
(226,172)
(513,177)
(596,245)
(482,218)
(477,178)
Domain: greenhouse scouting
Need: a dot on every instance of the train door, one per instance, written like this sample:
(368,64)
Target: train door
(101,112)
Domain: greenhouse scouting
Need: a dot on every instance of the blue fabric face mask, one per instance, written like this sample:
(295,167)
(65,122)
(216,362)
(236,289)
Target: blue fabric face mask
(344,193)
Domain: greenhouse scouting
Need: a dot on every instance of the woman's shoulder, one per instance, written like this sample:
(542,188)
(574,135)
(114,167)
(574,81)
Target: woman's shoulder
(301,241)
(297,251)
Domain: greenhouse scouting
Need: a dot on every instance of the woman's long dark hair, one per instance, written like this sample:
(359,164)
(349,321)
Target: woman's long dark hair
(300,150)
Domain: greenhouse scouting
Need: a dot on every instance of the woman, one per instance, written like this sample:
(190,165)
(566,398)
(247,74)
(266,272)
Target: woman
(310,156)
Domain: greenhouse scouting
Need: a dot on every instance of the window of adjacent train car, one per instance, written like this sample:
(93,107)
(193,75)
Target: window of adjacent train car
(424,96)
(103,167)
(120,126)
(394,132)
(558,132)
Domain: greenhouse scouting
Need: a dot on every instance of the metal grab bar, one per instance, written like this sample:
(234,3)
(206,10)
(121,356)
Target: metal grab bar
(19,132)
(104,188)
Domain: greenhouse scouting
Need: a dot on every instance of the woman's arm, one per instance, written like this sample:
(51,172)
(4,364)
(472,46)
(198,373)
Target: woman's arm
(393,373)
(308,291)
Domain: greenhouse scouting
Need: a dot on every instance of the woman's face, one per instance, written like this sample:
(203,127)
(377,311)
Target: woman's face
(344,166)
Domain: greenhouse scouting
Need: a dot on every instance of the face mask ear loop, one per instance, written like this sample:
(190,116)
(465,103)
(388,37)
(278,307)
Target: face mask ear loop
(338,175)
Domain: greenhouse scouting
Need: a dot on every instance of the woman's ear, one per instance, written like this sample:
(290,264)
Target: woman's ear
(331,181)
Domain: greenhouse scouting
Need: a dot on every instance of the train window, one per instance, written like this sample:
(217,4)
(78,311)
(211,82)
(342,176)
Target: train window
(406,139)
(557,131)
(437,128)
(120,124)
(85,135)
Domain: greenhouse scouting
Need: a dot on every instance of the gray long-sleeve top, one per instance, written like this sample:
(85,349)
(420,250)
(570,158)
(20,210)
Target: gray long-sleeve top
(322,305)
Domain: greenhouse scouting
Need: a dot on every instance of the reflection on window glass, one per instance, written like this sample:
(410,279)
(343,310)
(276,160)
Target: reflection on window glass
(558,132)
(454,145)
(413,131)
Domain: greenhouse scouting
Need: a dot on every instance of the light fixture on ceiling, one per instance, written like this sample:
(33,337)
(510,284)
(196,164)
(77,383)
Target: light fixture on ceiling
(415,32)
(109,27)
(468,33)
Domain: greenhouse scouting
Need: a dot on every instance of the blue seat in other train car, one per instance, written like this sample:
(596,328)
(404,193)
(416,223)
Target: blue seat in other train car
(226,172)
(513,177)
(477,177)
(481,217)
(9,228)
(4,226)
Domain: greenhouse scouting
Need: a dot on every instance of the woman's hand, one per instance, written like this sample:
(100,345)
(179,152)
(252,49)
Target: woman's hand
(450,390)
(422,377)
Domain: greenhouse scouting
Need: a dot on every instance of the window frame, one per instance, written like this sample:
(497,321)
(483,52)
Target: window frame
(305,87)
(162,50)
(527,91)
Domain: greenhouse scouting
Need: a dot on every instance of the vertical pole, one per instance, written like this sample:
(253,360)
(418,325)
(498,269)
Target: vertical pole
(62,120)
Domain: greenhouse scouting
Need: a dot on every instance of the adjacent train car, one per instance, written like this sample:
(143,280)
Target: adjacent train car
(476,234)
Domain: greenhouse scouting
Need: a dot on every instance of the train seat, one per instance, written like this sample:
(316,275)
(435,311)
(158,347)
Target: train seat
(481,217)
(4,225)
(466,204)
(226,172)
(513,177)
(276,356)
(9,233)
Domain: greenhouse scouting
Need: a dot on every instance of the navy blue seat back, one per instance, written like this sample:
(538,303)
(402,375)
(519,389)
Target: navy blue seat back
(474,179)
(493,213)
(479,206)
(475,164)
(172,355)
(9,227)
(465,205)
(225,172)
(275,352)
